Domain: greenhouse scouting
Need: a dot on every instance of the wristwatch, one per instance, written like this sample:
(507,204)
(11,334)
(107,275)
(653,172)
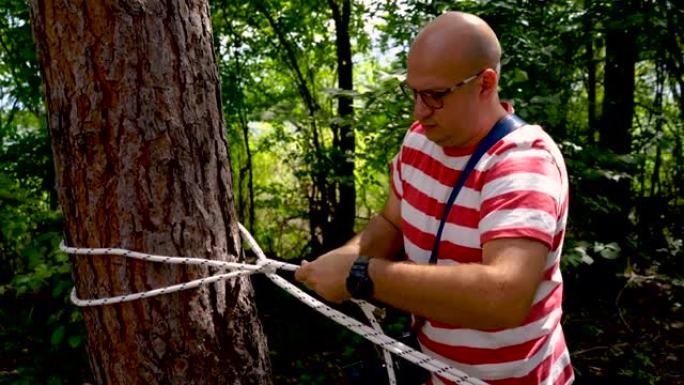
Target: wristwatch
(359,283)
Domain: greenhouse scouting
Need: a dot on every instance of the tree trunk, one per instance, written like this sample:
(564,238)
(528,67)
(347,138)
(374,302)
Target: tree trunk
(588,23)
(674,59)
(618,113)
(618,99)
(344,144)
(141,163)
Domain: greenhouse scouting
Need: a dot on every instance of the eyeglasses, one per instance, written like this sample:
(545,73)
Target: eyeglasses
(434,99)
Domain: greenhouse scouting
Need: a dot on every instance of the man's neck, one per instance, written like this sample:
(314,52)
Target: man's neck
(485,125)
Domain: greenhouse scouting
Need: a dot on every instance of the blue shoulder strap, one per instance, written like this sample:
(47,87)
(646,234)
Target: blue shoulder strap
(503,127)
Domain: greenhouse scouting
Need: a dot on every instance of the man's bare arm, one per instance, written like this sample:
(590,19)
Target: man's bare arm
(382,238)
(495,294)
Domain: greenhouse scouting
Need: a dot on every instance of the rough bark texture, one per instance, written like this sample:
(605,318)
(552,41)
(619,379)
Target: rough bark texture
(141,163)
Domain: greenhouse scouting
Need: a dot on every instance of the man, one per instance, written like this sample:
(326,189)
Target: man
(492,302)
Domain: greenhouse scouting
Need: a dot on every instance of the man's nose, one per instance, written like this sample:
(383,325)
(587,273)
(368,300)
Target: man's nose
(420,109)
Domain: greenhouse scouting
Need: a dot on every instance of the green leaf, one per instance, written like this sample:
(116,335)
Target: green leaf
(57,336)
(519,76)
(75,341)
(608,251)
(58,290)
(584,256)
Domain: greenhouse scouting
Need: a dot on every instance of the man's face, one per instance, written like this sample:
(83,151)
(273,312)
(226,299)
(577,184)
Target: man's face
(445,99)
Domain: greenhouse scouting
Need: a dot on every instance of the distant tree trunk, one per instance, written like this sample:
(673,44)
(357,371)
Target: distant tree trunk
(674,59)
(134,114)
(618,99)
(618,113)
(250,174)
(343,140)
(588,23)
(332,196)
(657,114)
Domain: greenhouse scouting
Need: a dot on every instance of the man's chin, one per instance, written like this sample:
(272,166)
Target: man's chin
(430,131)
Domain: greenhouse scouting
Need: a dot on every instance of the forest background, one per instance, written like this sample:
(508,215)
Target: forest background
(314,113)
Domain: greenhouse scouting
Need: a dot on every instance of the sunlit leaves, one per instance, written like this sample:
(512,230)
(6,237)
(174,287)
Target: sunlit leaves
(19,76)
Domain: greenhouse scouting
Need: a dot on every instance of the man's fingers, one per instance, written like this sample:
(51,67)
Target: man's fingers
(302,272)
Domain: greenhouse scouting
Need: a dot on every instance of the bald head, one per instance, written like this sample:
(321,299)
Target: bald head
(463,41)
(452,69)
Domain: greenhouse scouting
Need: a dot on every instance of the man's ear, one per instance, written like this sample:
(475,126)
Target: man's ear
(488,81)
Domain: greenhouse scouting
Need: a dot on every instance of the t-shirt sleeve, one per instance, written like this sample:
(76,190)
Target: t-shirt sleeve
(395,175)
(521,196)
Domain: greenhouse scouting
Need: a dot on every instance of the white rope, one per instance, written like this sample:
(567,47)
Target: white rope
(369,310)
(241,269)
(153,293)
(269,267)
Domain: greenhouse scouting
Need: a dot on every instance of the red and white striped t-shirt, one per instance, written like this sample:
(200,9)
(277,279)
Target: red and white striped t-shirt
(518,189)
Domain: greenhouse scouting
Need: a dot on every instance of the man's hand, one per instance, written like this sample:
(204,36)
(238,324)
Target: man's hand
(327,275)
(381,238)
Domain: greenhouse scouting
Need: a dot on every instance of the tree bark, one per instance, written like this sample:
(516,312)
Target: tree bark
(141,161)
